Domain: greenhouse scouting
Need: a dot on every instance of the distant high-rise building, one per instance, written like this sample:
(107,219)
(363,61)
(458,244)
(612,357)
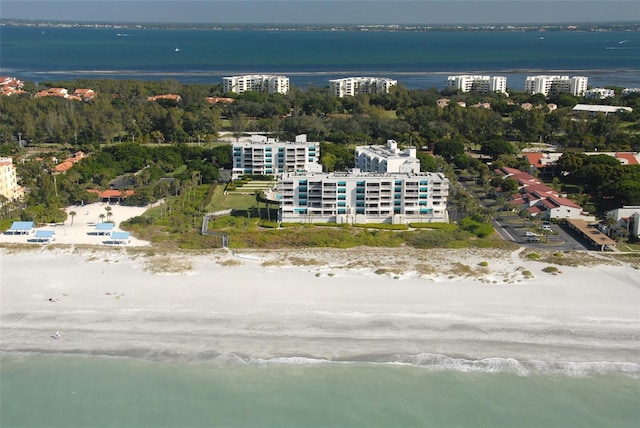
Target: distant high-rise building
(476,83)
(628,91)
(256,82)
(600,93)
(555,85)
(360,85)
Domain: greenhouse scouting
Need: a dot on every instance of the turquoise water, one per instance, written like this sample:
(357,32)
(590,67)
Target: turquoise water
(61,391)
(417,59)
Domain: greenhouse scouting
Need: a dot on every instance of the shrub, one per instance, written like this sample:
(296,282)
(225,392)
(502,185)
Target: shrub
(449,227)
(483,264)
(550,269)
(268,224)
(383,226)
(481,230)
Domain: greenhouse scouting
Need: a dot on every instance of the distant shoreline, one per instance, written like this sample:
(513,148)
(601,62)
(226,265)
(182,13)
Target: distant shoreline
(533,27)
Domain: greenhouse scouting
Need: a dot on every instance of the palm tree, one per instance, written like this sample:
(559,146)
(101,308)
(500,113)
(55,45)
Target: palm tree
(101,218)
(72,214)
(108,210)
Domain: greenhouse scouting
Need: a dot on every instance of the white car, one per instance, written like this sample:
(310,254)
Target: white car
(529,234)
(545,227)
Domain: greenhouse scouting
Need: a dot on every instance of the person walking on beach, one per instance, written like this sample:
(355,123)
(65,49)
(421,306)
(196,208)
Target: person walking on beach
(57,335)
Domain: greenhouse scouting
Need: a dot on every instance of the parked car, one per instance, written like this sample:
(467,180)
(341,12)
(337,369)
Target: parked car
(546,227)
(533,239)
(528,234)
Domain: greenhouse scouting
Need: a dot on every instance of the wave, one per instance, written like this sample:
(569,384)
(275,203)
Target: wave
(428,361)
(521,368)
(438,362)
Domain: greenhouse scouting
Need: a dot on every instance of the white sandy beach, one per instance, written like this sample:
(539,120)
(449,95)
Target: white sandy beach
(327,304)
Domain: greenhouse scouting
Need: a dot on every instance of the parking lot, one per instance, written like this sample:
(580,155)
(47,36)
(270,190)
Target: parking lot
(545,235)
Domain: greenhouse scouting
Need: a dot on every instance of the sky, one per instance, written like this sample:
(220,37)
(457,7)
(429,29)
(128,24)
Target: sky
(420,12)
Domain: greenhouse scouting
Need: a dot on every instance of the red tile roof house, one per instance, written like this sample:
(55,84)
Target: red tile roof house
(539,199)
(222,100)
(53,92)
(172,97)
(84,94)
(546,163)
(11,81)
(112,196)
(65,165)
(11,86)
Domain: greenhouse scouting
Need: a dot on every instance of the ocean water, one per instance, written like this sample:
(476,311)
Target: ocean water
(311,58)
(71,391)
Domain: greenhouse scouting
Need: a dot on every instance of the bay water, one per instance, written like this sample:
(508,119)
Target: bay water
(76,391)
(311,58)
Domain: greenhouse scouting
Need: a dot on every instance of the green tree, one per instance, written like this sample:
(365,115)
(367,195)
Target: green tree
(509,185)
(496,147)
(239,125)
(449,149)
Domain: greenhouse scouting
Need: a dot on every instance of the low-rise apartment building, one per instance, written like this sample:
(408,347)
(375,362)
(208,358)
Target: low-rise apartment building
(594,110)
(267,156)
(554,85)
(625,221)
(269,83)
(358,197)
(477,83)
(8,181)
(386,158)
(351,86)
(541,201)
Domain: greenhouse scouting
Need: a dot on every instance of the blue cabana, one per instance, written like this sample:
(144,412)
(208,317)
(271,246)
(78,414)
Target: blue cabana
(120,237)
(44,236)
(21,228)
(104,228)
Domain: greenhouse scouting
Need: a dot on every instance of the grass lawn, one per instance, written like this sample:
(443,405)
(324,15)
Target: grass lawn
(220,201)
(179,170)
(625,246)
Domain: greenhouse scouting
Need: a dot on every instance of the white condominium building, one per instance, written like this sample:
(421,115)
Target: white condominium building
(554,85)
(386,158)
(266,156)
(256,82)
(600,93)
(8,181)
(360,85)
(628,91)
(476,83)
(363,197)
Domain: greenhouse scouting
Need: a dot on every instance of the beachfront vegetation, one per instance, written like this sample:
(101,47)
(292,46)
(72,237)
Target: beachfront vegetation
(177,224)
(170,150)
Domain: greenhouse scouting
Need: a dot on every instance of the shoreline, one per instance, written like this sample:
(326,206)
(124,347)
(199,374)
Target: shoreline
(321,305)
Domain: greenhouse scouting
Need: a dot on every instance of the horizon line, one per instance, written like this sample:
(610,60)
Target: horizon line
(9,21)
